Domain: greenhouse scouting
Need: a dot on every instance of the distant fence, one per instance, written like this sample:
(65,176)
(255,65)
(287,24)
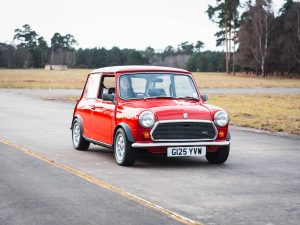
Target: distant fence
(56,67)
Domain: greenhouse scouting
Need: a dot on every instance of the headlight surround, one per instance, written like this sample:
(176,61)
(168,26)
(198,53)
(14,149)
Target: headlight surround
(221,118)
(147,119)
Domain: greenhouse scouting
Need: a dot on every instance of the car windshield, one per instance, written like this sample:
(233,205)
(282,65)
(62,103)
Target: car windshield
(157,85)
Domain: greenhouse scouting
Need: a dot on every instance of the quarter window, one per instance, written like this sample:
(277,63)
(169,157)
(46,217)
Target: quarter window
(92,86)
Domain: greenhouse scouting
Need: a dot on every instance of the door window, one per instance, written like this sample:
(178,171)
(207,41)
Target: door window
(108,86)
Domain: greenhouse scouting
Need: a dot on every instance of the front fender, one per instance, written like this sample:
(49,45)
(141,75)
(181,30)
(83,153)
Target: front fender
(228,138)
(127,131)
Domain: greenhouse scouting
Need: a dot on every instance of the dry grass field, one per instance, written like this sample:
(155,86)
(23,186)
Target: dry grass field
(221,80)
(273,112)
(40,78)
(74,78)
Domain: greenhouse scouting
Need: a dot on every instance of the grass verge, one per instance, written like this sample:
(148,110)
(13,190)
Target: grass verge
(272,112)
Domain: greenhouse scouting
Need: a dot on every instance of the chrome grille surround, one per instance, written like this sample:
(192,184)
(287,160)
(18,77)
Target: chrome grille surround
(184,121)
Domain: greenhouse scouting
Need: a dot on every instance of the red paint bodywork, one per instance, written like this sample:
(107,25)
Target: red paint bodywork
(100,123)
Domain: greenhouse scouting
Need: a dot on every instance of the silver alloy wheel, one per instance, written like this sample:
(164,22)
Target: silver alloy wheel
(120,148)
(76,134)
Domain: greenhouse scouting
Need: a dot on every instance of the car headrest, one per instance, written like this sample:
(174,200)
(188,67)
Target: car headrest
(111,90)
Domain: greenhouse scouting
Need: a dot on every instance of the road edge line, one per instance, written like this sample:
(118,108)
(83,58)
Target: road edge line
(103,184)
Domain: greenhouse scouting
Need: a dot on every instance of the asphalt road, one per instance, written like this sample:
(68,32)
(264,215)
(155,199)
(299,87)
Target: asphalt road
(259,184)
(35,193)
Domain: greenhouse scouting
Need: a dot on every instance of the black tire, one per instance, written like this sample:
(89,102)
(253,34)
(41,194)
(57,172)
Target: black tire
(219,156)
(79,142)
(125,155)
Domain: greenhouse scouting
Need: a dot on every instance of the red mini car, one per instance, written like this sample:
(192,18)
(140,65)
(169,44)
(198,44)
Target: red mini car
(147,108)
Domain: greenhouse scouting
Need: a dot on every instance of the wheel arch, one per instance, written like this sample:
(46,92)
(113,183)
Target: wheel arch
(228,138)
(127,130)
(80,123)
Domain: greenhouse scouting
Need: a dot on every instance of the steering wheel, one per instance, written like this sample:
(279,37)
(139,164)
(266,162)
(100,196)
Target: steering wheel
(140,94)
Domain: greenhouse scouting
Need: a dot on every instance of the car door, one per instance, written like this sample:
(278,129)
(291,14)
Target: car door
(103,115)
(88,102)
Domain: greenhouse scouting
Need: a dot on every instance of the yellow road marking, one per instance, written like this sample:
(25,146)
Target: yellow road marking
(103,184)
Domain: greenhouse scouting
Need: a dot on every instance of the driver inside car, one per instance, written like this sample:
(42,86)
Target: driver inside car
(126,91)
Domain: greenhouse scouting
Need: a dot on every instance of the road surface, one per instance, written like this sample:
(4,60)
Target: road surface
(259,184)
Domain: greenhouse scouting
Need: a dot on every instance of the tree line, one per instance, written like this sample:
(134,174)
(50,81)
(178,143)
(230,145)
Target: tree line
(267,44)
(255,41)
(32,51)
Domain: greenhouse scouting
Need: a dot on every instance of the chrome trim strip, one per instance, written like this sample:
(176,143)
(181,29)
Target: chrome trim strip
(98,142)
(183,120)
(171,144)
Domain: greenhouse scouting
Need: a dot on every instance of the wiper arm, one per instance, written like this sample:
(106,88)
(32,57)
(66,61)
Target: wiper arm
(188,97)
(146,97)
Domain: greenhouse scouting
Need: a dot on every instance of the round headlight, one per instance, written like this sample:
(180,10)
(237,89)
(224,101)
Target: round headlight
(147,119)
(221,118)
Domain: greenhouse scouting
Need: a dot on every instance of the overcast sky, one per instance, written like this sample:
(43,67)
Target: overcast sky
(107,23)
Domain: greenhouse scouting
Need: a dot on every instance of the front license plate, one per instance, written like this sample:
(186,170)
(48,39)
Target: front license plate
(186,151)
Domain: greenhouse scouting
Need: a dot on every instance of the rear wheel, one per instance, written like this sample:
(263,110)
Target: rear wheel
(79,142)
(219,156)
(125,155)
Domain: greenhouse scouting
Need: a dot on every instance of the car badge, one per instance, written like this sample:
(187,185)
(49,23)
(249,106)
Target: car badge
(185,115)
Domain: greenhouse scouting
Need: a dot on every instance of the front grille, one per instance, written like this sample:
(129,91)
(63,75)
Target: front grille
(186,130)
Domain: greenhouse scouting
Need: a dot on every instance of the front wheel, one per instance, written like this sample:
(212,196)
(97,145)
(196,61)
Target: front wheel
(79,142)
(125,155)
(219,156)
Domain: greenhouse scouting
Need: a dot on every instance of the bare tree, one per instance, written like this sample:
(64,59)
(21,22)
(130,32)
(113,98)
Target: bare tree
(298,20)
(225,14)
(294,47)
(63,49)
(288,38)
(256,26)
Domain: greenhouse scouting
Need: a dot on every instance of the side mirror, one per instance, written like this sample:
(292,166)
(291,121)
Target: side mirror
(204,98)
(108,97)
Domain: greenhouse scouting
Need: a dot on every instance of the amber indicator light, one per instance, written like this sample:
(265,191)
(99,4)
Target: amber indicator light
(221,134)
(146,135)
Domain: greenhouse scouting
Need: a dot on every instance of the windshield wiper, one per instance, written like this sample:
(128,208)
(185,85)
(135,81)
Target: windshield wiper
(146,97)
(188,97)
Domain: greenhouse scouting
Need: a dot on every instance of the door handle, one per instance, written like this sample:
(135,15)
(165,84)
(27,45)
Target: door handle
(92,107)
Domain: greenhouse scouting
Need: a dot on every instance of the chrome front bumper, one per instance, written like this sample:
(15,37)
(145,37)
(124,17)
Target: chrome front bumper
(173,144)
